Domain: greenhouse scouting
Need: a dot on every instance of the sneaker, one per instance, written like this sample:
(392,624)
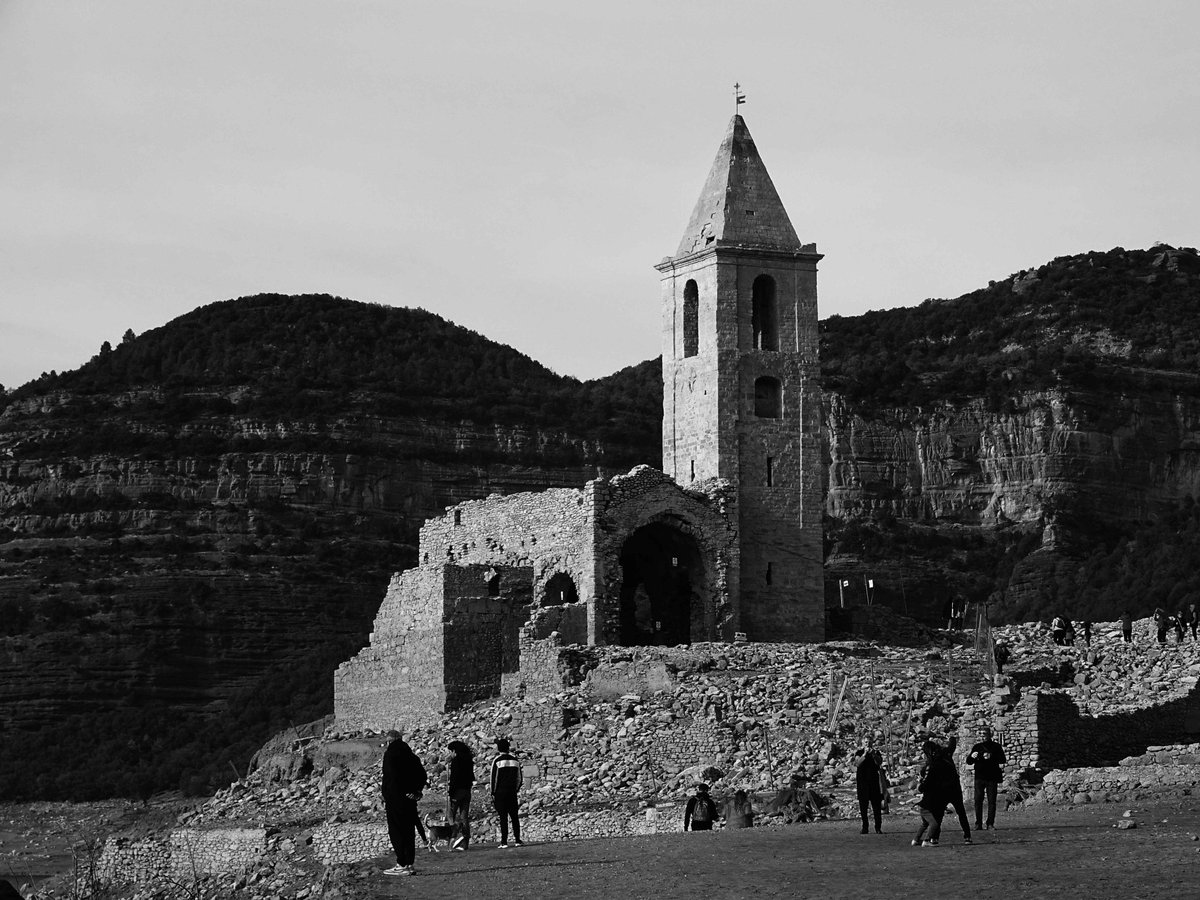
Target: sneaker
(915,842)
(399,870)
(502,846)
(967,840)
(933,843)
(518,843)
(457,843)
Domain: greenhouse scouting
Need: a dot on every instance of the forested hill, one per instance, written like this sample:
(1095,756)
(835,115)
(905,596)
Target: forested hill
(1084,319)
(316,355)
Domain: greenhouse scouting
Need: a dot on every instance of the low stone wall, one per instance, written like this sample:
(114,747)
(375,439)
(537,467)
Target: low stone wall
(1169,768)
(349,843)
(185,854)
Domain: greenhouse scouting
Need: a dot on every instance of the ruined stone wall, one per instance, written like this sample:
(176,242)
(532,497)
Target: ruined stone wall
(185,854)
(400,672)
(548,531)
(485,608)
(1161,768)
(706,513)
(1047,730)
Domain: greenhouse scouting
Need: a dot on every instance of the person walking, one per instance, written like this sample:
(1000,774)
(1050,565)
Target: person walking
(700,812)
(1127,627)
(739,812)
(505,781)
(954,791)
(461,782)
(867,764)
(404,780)
(933,784)
(987,758)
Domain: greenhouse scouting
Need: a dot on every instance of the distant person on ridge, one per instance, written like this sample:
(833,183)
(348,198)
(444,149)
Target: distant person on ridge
(987,757)
(1127,627)
(867,764)
(404,779)
(700,812)
(461,782)
(1058,630)
(1192,614)
(506,780)
(1161,624)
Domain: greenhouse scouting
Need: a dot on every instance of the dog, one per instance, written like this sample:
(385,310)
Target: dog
(438,829)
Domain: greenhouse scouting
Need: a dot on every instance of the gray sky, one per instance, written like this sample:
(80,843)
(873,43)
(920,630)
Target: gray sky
(519,167)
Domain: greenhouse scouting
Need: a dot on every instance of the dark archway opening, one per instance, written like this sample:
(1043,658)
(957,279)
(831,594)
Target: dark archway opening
(560,589)
(662,579)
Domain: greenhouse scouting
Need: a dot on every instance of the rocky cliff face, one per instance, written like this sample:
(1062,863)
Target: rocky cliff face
(180,583)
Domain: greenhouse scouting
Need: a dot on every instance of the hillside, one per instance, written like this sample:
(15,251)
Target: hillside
(198,524)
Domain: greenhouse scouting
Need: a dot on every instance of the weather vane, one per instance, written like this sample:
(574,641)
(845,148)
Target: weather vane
(738,97)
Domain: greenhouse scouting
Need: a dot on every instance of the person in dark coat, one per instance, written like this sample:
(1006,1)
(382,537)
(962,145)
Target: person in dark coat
(505,781)
(954,791)
(987,757)
(404,780)
(700,812)
(935,785)
(461,782)
(1127,627)
(867,763)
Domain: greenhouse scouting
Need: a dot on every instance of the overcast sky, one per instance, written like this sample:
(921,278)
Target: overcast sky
(519,167)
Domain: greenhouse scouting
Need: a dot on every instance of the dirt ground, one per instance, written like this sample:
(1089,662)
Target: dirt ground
(1036,852)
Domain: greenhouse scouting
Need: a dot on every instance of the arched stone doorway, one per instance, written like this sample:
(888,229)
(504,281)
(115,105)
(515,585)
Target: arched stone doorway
(662,581)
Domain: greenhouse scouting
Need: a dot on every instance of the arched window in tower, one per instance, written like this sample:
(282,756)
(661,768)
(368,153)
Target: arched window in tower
(691,319)
(764,315)
(768,398)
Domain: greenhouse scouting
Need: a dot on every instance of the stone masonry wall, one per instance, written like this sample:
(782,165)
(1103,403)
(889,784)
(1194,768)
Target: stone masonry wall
(548,531)
(481,629)
(1047,730)
(400,671)
(185,854)
(1161,768)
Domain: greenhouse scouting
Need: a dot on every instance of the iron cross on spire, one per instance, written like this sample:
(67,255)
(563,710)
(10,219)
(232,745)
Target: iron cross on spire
(738,97)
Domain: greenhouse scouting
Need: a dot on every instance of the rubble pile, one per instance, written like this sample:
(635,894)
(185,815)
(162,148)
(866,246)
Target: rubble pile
(1108,675)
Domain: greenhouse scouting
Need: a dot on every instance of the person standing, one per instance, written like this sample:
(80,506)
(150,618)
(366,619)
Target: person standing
(987,758)
(1127,627)
(1058,630)
(1161,624)
(700,812)
(739,812)
(505,781)
(404,780)
(1192,614)
(934,787)
(461,782)
(867,763)
(954,791)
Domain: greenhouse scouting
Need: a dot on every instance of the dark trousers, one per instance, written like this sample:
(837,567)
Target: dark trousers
(931,820)
(506,809)
(402,825)
(700,826)
(460,814)
(1127,636)
(876,803)
(960,809)
(982,787)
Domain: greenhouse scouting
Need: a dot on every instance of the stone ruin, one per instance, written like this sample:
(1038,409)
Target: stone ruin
(504,582)
(724,543)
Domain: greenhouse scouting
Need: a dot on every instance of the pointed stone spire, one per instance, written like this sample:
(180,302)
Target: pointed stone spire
(739,206)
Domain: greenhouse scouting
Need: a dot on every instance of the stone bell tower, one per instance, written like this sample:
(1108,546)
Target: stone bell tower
(740,389)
